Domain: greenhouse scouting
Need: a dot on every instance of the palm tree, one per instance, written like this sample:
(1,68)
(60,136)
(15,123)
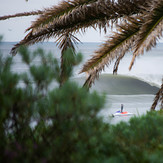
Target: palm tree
(138,23)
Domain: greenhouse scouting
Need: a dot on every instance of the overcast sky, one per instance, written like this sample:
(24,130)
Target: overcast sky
(13,29)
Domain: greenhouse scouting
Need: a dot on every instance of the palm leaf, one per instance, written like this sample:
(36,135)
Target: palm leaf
(151,29)
(81,14)
(158,97)
(21,14)
(115,47)
(117,62)
(118,44)
(90,80)
(65,42)
(95,14)
(52,14)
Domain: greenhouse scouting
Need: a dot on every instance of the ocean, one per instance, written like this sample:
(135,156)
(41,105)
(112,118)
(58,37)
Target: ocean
(134,89)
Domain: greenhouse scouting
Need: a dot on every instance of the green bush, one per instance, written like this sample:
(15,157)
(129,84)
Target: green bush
(43,122)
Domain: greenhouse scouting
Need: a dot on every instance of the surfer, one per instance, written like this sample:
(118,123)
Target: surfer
(121,108)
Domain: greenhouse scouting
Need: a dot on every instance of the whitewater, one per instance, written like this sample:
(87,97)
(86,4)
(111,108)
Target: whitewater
(134,89)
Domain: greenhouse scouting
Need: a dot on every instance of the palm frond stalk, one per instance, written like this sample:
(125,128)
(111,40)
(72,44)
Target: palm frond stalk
(21,14)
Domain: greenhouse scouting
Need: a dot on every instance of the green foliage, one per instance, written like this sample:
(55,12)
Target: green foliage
(42,122)
(141,139)
(68,60)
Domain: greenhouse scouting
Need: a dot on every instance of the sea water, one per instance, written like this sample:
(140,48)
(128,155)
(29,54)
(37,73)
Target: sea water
(134,89)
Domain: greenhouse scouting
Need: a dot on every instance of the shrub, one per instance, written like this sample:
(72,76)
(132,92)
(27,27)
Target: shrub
(40,122)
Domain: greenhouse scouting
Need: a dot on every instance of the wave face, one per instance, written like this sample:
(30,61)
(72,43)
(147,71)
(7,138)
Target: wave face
(120,85)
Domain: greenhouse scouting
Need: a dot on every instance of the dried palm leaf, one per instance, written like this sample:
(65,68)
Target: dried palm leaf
(96,14)
(64,42)
(90,80)
(118,44)
(158,97)
(117,62)
(115,47)
(151,29)
(51,14)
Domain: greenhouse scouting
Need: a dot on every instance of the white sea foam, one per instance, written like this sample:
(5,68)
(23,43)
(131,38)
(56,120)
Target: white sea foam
(152,79)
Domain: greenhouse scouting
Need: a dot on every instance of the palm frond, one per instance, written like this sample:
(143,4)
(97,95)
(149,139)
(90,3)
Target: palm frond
(158,97)
(90,80)
(115,47)
(32,39)
(151,29)
(50,15)
(21,14)
(118,44)
(94,12)
(65,42)
(117,62)
(92,15)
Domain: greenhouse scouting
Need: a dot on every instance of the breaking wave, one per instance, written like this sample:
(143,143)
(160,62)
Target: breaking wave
(120,85)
